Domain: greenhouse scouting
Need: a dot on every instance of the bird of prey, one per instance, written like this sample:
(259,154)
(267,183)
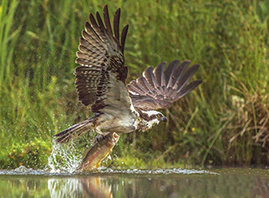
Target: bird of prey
(101,83)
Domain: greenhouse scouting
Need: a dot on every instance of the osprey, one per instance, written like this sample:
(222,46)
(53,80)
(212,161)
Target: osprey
(101,83)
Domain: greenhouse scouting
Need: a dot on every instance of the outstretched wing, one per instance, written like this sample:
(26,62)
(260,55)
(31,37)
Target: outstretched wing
(101,60)
(158,88)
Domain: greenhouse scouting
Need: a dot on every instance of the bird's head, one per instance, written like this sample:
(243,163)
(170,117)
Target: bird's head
(161,118)
(151,118)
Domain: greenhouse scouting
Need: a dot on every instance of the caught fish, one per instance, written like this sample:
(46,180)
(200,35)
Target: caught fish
(95,155)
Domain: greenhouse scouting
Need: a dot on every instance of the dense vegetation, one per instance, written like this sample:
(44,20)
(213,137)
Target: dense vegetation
(223,122)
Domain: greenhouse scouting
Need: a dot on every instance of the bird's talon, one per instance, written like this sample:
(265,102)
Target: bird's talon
(98,138)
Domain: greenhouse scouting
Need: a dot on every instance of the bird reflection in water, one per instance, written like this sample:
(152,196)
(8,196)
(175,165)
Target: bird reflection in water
(89,186)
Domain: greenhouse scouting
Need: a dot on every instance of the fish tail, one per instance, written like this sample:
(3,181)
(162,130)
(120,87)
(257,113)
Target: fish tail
(74,131)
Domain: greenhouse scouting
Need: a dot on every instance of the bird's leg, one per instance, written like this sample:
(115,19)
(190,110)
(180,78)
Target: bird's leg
(98,138)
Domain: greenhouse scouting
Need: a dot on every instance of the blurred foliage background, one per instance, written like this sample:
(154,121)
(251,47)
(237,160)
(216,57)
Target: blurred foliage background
(225,121)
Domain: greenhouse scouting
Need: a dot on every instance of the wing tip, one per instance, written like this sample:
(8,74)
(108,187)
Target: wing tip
(196,65)
(187,60)
(118,11)
(199,81)
(106,7)
(91,17)
(193,68)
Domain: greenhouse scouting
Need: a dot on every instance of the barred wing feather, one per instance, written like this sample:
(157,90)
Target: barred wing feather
(100,55)
(158,88)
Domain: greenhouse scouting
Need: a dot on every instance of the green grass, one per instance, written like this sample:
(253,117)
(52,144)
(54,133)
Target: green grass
(223,122)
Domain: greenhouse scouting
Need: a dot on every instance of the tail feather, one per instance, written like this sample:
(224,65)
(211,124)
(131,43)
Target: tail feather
(73,132)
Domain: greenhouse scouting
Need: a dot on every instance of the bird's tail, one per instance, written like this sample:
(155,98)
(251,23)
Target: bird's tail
(74,131)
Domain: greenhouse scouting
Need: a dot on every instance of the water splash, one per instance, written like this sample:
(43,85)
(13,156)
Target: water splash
(63,158)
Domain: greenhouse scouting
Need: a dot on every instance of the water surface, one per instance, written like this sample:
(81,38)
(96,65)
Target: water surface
(136,183)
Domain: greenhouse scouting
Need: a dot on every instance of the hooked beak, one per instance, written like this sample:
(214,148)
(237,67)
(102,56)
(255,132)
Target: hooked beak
(163,119)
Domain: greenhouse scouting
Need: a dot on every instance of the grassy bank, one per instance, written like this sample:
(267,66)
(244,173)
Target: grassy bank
(223,122)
